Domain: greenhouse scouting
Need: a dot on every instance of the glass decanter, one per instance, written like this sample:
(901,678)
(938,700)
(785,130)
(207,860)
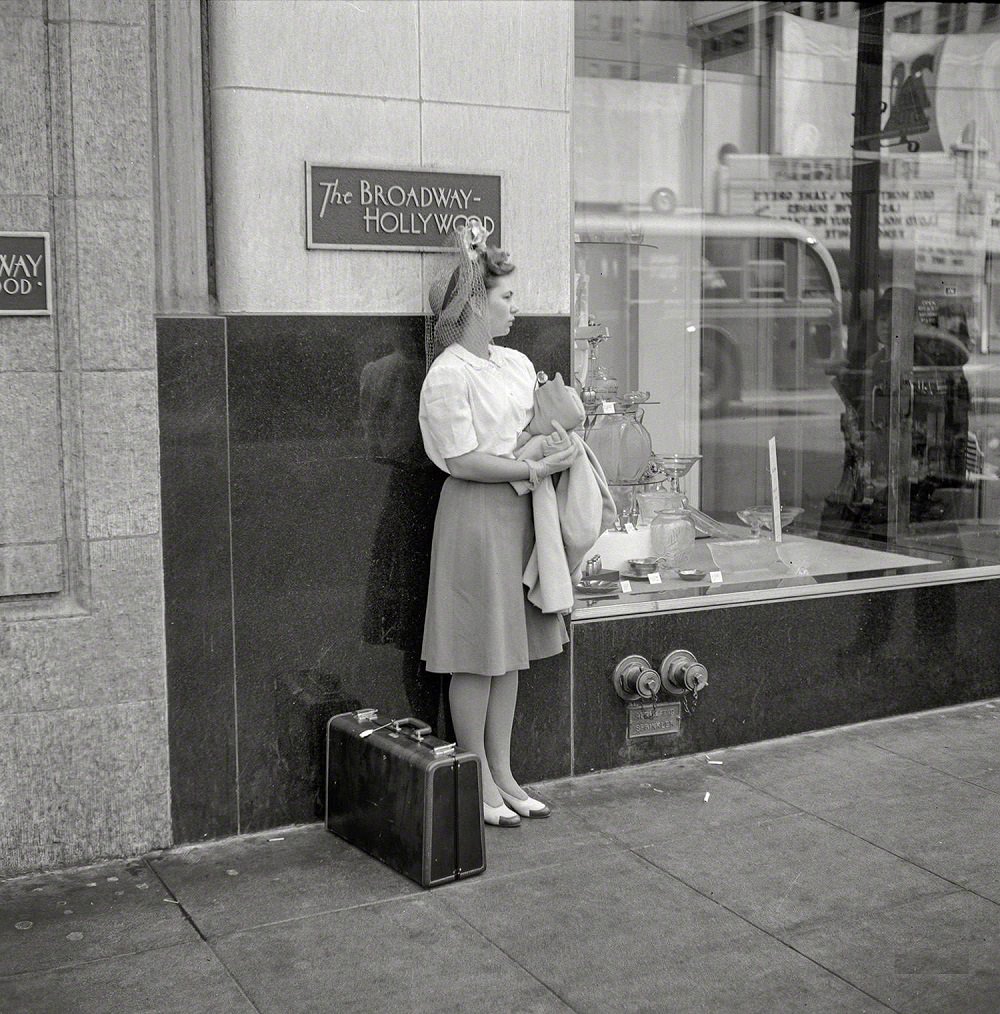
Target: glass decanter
(619,440)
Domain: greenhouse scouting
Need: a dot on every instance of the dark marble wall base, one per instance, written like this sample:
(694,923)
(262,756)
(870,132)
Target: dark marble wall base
(297,516)
(781,668)
(194,481)
(332,504)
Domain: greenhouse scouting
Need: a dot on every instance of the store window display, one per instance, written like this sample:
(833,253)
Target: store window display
(823,277)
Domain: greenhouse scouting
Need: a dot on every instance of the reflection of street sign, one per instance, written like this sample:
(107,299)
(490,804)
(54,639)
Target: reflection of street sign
(971,209)
(922,204)
(24,274)
(927,312)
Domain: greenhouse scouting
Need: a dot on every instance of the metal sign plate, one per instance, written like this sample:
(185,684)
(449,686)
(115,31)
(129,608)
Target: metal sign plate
(653,719)
(25,274)
(381,208)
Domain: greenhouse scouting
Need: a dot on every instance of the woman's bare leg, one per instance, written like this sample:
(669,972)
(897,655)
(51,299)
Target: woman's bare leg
(469,697)
(499,723)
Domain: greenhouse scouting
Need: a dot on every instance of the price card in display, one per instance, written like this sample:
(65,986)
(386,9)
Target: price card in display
(772,454)
(629,527)
(626,586)
(655,578)
(608,407)
(715,576)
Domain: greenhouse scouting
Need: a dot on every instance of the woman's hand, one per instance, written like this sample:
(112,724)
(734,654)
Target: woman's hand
(559,461)
(558,440)
(538,447)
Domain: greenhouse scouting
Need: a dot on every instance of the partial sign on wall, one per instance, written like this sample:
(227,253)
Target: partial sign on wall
(354,208)
(25,274)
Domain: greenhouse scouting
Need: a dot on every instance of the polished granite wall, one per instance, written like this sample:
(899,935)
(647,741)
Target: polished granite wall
(297,516)
(784,667)
(298,512)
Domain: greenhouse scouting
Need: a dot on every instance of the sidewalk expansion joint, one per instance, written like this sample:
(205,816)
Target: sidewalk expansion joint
(874,844)
(767,932)
(510,957)
(173,897)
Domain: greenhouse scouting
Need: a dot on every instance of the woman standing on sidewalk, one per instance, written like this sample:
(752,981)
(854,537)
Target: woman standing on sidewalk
(474,405)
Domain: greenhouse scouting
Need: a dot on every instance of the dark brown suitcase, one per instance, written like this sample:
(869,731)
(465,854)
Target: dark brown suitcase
(405,797)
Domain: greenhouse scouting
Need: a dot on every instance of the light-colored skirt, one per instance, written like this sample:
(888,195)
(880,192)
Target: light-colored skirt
(478,619)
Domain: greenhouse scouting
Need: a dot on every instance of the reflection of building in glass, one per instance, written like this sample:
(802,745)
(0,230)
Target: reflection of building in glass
(766,130)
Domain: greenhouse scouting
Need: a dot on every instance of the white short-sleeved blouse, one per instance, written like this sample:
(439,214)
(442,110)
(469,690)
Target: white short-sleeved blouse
(473,404)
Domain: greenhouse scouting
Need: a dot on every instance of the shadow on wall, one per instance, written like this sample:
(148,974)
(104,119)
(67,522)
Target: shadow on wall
(333,503)
(294,442)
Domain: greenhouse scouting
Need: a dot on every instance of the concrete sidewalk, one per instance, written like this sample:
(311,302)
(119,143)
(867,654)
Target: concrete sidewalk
(850,870)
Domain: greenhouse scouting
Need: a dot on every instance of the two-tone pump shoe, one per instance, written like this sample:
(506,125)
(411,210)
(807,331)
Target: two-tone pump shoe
(529,807)
(500,816)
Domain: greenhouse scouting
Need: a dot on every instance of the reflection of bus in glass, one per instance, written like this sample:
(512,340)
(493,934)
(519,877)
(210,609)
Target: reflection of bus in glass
(763,294)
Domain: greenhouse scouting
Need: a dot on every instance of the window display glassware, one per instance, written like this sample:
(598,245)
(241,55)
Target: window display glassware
(662,469)
(600,385)
(759,517)
(650,501)
(619,440)
(675,467)
(672,531)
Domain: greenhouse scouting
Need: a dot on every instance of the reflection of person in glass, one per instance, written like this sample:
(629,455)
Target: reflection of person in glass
(937,407)
(474,406)
(401,543)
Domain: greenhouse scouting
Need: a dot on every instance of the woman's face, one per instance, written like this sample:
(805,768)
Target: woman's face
(500,306)
(883,324)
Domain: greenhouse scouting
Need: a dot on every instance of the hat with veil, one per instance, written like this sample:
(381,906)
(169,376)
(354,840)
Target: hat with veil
(457,296)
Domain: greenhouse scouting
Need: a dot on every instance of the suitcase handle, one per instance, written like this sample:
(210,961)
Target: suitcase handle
(413,727)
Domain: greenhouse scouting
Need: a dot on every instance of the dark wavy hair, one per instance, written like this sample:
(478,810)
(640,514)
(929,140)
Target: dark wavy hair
(492,262)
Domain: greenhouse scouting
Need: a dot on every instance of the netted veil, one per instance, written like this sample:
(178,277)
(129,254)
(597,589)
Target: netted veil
(457,296)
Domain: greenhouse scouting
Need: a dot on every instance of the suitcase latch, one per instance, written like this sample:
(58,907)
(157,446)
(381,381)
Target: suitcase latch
(367,715)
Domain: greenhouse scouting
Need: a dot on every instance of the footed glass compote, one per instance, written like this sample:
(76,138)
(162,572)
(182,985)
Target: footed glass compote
(760,517)
(675,467)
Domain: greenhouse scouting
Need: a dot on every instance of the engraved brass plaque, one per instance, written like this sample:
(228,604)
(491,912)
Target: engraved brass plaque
(653,719)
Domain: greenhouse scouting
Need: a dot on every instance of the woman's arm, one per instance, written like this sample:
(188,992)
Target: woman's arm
(478,466)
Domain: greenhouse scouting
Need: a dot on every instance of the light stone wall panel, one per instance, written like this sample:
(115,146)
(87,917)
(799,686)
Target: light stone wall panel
(24,8)
(31,568)
(116,330)
(366,47)
(262,262)
(122,12)
(61,127)
(53,664)
(121,453)
(110,109)
(30,451)
(83,746)
(27,345)
(24,156)
(514,53)
(532,150)
(82,784)
(504,106)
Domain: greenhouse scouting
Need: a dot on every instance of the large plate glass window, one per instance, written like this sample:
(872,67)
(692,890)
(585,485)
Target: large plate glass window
(787,220)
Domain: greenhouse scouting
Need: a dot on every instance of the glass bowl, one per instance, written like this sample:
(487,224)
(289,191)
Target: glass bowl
(760,517)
